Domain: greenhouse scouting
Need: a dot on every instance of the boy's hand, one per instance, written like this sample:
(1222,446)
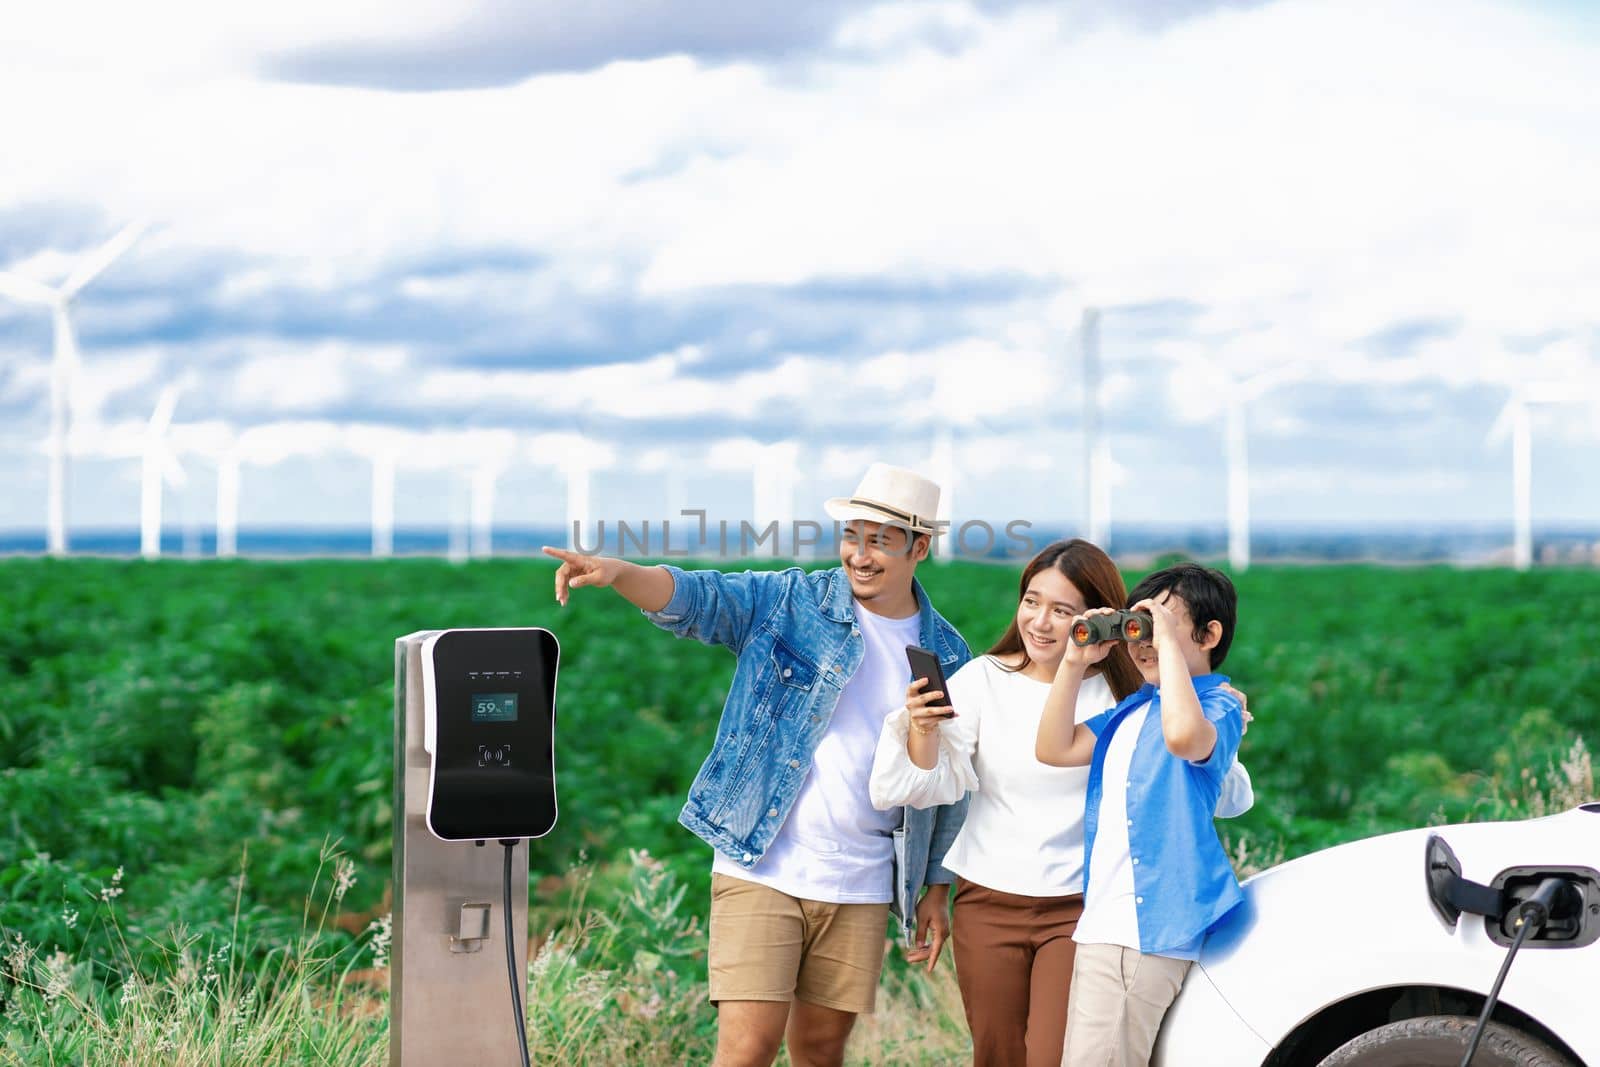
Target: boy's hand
(926,710)
(1082,657)
(576,570)
(1162,619)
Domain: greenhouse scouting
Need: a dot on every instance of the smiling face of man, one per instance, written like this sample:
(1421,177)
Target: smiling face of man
(880,559)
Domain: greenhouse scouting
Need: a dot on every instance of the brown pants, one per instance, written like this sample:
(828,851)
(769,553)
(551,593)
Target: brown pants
(1014,959)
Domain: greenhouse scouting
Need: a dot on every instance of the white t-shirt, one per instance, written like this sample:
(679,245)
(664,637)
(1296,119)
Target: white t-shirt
(1110,906)
(835,846)
(1109,914)
(1024,828)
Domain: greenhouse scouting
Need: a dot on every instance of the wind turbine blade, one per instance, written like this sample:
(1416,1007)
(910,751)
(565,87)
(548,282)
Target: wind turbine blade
(1502,423)
(1547,393)
(26,290)
(66,341)
(172,471)
(102,258)
(161,417)
(1253,386)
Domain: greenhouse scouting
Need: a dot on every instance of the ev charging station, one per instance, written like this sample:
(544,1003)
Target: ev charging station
(474,768)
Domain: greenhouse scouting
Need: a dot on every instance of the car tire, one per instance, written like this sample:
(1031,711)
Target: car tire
(1441,1041)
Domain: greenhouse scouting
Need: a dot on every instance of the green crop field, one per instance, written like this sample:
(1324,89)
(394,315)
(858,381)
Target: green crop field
(195,783)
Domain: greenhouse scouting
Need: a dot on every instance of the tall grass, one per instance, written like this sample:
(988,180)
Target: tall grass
(181,999)
(619,981)
(616,975)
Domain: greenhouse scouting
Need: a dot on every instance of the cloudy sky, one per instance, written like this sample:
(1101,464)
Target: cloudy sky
(683,231)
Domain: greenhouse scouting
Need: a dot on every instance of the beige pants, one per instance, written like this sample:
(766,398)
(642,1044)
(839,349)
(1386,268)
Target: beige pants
(1119,997)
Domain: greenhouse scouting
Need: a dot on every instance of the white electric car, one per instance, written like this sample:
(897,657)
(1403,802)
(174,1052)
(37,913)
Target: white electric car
(1361,955)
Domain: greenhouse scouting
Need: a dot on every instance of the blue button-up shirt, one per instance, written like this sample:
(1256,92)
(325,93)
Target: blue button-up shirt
(1183,883)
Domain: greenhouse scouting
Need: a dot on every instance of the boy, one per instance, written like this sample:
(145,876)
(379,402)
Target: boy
(1156,877)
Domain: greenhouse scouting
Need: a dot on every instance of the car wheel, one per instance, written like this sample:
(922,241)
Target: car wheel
(1441,1041)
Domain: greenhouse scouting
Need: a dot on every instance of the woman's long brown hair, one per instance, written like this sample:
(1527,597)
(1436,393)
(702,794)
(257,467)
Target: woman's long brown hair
(1098,579)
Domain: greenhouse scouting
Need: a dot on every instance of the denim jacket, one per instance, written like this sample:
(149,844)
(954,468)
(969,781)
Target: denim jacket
(798,645)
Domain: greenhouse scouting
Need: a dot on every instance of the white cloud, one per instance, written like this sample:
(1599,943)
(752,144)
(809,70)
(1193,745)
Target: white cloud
(653,387)
(1303,183)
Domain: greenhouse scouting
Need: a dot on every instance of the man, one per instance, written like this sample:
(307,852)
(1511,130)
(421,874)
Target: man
(805,870)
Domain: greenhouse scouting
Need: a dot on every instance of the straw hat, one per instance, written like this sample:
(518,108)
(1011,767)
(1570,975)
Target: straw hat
(890,494)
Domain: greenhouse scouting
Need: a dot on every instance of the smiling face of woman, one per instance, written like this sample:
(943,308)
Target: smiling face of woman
(1044,617)
(1064,579)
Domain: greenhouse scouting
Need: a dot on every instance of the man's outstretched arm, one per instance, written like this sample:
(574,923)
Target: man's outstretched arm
(646,588)
(708,605)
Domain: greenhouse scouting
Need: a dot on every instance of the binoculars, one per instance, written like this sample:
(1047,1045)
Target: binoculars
(1123,626)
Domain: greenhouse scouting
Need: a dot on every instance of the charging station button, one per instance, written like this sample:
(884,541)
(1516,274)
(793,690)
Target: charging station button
(494,755)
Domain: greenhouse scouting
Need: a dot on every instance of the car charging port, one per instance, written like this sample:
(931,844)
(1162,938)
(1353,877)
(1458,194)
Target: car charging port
(1572,914)
(1527,917)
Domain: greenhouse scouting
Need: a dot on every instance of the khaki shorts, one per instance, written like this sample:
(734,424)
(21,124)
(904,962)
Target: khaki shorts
(767,945)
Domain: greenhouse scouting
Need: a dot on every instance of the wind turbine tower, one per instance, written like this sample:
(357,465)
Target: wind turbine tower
(772,491)
(574,456)
(381,446)
(943,469)
(64,365)
(228,505)
(383,479)
(1237,395)
(1516,421)
(159,465)
(577,469)
(481,507)
(1096,451)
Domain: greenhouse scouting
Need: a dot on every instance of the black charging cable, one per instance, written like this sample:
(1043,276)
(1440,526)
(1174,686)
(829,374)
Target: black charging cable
(511,959)
(1532,914)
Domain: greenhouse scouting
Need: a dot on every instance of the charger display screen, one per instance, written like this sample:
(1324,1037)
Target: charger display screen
(494,707)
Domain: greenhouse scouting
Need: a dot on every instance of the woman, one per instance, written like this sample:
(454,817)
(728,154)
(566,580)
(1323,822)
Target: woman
(1019,856)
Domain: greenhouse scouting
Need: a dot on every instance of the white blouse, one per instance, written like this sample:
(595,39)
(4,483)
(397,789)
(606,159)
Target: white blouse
(1024,828)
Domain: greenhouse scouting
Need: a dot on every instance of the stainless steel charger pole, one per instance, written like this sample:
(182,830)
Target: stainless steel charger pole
(448,999)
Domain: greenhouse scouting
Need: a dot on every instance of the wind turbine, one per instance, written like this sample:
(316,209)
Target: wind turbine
(772,487)
(381,446)
(159,465)
(383,481)
(942,469)
(961,377)
(1097,462)
(959,419)
(64,365)
(1235,395)
(217,440)
(665,465)
(489,453)
(576,457)
(266,445)
(1515,420)
(578,470)
(228,503)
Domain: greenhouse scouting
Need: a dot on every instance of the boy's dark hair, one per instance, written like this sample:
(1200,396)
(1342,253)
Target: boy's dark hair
(1208,593)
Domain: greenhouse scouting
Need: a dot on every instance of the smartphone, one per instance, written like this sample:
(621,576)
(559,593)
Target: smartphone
(925,664)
